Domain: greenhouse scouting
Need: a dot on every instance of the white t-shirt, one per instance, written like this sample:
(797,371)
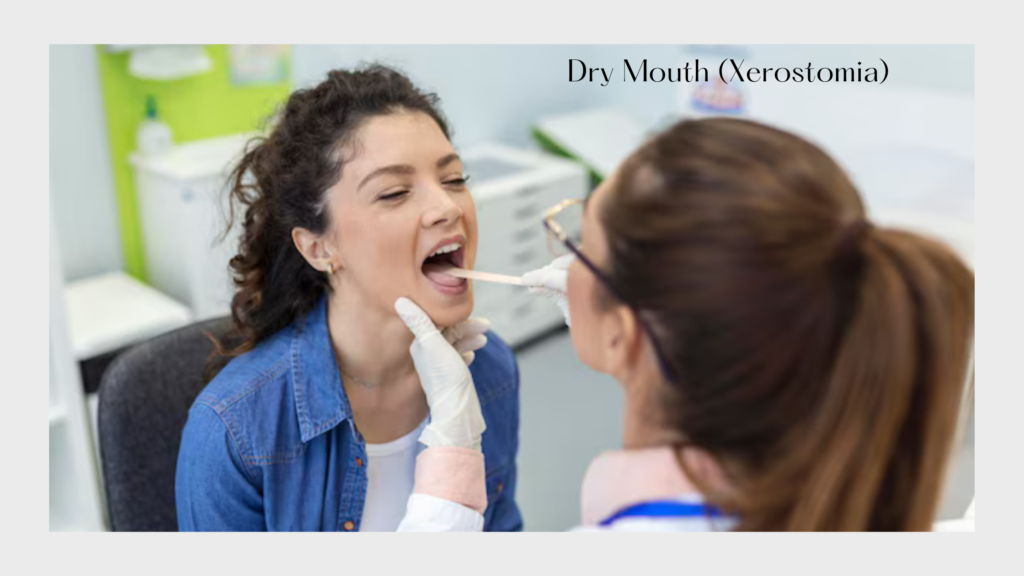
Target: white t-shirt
(390,472)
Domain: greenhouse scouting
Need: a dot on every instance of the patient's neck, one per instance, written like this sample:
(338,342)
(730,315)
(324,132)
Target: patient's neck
(372,350)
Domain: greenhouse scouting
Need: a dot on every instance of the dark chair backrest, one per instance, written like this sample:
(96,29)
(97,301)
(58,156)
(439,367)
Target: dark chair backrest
(144,399)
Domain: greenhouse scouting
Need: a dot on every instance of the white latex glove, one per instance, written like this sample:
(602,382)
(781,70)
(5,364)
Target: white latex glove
(455,416)
(467,337)
(550,282)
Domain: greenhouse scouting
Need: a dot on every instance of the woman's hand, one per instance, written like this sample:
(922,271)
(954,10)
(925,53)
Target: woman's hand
(550,282)
(455,415)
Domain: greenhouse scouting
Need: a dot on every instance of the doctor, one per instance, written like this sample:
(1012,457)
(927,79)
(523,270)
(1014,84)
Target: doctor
(786,365)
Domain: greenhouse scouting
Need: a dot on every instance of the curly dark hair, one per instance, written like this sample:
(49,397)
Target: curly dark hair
(281,183)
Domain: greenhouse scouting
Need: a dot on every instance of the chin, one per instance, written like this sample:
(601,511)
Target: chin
(446,314)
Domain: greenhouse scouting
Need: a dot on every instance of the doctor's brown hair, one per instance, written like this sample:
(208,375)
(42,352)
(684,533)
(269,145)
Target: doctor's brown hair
(281,183)
(820,360)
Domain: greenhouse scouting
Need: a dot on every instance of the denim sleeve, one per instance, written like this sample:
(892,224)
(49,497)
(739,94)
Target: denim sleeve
(505,516)
(213,489)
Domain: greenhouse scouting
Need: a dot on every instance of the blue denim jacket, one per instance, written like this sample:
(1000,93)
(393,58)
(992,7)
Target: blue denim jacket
(270,443)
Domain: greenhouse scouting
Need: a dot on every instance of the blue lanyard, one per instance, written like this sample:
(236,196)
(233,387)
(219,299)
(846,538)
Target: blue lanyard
(663,509)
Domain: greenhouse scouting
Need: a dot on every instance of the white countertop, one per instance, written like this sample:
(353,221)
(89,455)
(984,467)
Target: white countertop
(197,159)
(110,311)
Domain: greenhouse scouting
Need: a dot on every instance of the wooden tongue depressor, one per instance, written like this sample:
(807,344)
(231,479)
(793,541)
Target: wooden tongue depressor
(485,276)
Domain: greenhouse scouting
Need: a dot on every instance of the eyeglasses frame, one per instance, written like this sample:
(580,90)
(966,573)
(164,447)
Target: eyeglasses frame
(555,228)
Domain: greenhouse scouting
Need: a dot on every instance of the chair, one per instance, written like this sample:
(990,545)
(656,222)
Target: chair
(144,399)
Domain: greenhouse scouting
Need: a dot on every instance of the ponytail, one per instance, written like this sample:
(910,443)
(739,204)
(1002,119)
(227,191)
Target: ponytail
(819,361)
(877,450)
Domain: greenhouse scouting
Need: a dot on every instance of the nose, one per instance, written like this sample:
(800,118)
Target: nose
(443,211)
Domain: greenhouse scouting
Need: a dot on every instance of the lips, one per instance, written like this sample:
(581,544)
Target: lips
(435,264)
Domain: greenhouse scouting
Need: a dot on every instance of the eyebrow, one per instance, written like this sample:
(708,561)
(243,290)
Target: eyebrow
(404,169)
(447,160)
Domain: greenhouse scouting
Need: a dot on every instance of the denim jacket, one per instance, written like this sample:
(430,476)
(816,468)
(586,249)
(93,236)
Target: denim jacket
(270,443)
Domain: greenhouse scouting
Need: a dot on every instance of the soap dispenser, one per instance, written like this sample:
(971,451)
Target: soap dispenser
(154,136)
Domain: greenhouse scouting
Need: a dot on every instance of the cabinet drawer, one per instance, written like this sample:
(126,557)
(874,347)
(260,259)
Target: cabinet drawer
(520,318)
(515,260)
(512,236)
(490,294)
(528,234)
(536,199)
(508,256)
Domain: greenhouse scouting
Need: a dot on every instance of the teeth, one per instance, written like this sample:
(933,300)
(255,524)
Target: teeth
(446,249)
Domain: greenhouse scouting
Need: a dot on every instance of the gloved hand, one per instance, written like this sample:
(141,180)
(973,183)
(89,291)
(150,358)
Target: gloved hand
(467,337)
(455,415)
(550,282)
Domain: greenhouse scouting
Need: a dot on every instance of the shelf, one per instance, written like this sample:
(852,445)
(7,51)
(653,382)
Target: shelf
(74,493)
(113,310)
(195,160)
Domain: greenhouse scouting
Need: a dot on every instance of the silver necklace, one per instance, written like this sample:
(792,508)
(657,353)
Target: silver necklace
(356,380)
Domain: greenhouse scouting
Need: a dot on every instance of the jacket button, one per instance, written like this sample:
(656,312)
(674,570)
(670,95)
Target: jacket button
(349,525)
(359,461)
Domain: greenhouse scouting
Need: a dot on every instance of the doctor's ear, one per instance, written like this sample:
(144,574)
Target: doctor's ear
(315,249)
(624,342)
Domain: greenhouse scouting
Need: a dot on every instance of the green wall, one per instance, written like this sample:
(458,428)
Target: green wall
(195,108)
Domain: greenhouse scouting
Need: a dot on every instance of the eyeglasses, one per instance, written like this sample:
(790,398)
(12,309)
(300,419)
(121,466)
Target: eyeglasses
(567,216)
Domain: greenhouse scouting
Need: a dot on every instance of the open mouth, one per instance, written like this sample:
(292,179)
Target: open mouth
(450,254)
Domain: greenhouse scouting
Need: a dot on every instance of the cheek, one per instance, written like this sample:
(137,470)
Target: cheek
(576,291)
(585,337)
(395,252)
(465,202)
(380,253)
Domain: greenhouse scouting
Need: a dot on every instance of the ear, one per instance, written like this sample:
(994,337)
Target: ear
(315,249)
(624,342)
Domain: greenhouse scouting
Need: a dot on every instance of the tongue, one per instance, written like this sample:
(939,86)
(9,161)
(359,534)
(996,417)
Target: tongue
(435,271)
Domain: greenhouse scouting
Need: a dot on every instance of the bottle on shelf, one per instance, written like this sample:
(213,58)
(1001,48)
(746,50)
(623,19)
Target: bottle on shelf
(154,136)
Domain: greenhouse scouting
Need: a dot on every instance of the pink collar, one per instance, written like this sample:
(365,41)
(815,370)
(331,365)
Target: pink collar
(618,479)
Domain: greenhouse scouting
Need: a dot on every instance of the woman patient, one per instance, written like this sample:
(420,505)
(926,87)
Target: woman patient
(354,199)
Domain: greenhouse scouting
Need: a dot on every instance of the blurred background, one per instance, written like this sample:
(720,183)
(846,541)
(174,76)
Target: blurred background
(141,136)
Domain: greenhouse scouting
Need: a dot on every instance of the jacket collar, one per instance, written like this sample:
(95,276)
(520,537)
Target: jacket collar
(618,479)
(320,400)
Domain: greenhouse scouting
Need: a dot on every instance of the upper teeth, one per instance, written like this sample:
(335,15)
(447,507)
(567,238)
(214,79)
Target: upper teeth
(446,249)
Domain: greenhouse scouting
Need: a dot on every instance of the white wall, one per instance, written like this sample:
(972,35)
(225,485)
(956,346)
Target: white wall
(496,92)
(487,92)
(81,181)
(947,68)
(908,144)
